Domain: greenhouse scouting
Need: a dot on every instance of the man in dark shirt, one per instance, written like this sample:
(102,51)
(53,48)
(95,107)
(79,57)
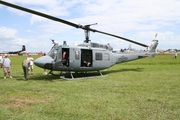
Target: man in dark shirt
(25,66)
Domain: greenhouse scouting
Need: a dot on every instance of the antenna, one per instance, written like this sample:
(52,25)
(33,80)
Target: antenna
(155,36)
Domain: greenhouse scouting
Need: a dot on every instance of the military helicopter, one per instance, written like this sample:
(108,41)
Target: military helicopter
(16,52)
(88,56)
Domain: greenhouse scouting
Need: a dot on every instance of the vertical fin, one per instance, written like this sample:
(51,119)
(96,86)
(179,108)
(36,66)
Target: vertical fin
(153,46)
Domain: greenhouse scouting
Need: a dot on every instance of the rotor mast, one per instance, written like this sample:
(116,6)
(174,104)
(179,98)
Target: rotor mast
(87,32)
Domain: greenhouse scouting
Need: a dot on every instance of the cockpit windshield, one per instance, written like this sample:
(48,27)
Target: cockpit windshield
(53,52)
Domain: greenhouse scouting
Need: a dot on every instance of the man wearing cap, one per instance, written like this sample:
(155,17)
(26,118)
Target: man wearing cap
(6,64)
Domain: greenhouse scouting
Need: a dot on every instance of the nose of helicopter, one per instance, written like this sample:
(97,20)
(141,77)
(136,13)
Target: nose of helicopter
(44,62)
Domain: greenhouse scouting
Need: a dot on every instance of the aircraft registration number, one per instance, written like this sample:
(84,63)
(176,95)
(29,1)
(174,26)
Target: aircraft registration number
(122,59)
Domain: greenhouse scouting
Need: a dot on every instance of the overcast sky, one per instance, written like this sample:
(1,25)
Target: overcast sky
(138,20)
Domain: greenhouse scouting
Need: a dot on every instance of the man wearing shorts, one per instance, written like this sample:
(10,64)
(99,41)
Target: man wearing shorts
(1,59)
(6,64)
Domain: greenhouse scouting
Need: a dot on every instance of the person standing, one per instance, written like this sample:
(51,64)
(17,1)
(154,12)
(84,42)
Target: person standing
(25,67)
(31,67)
(6,64)
(176,54)
(1,59)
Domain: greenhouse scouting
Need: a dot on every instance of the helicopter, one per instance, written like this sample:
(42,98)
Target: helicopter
(16,52)
(85,57)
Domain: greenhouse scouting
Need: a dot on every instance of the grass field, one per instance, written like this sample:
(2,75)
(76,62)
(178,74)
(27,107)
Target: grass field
(146,89)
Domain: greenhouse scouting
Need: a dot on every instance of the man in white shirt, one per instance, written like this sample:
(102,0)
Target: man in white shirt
(31,59)
(6,64)
(1,59)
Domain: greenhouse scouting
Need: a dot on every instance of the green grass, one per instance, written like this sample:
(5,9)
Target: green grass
(146,89)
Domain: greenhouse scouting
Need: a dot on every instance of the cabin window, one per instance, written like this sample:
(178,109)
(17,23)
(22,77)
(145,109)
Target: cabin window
(98,56)
(95,45)
(77,55)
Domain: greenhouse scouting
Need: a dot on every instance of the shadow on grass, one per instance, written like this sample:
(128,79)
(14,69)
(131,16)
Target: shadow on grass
(123,70)
(78,75)
(36,77)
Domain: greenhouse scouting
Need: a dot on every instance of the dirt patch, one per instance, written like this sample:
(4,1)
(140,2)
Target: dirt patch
(19,101)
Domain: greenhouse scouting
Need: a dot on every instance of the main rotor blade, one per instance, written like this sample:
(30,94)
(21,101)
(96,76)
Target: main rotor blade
(122,38)
(66,22)
(39,14)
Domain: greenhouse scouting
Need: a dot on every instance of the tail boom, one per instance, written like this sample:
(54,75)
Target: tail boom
(130,56)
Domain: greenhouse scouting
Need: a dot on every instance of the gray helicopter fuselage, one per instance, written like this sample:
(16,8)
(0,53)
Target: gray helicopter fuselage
(80,58)
(87,57)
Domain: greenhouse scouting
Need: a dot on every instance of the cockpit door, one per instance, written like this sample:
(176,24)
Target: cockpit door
(75,58)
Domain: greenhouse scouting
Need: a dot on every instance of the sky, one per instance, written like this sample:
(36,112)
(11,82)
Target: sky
(138,20)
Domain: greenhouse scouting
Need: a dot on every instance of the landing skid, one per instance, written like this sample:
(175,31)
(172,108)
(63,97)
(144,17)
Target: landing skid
(72,76)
